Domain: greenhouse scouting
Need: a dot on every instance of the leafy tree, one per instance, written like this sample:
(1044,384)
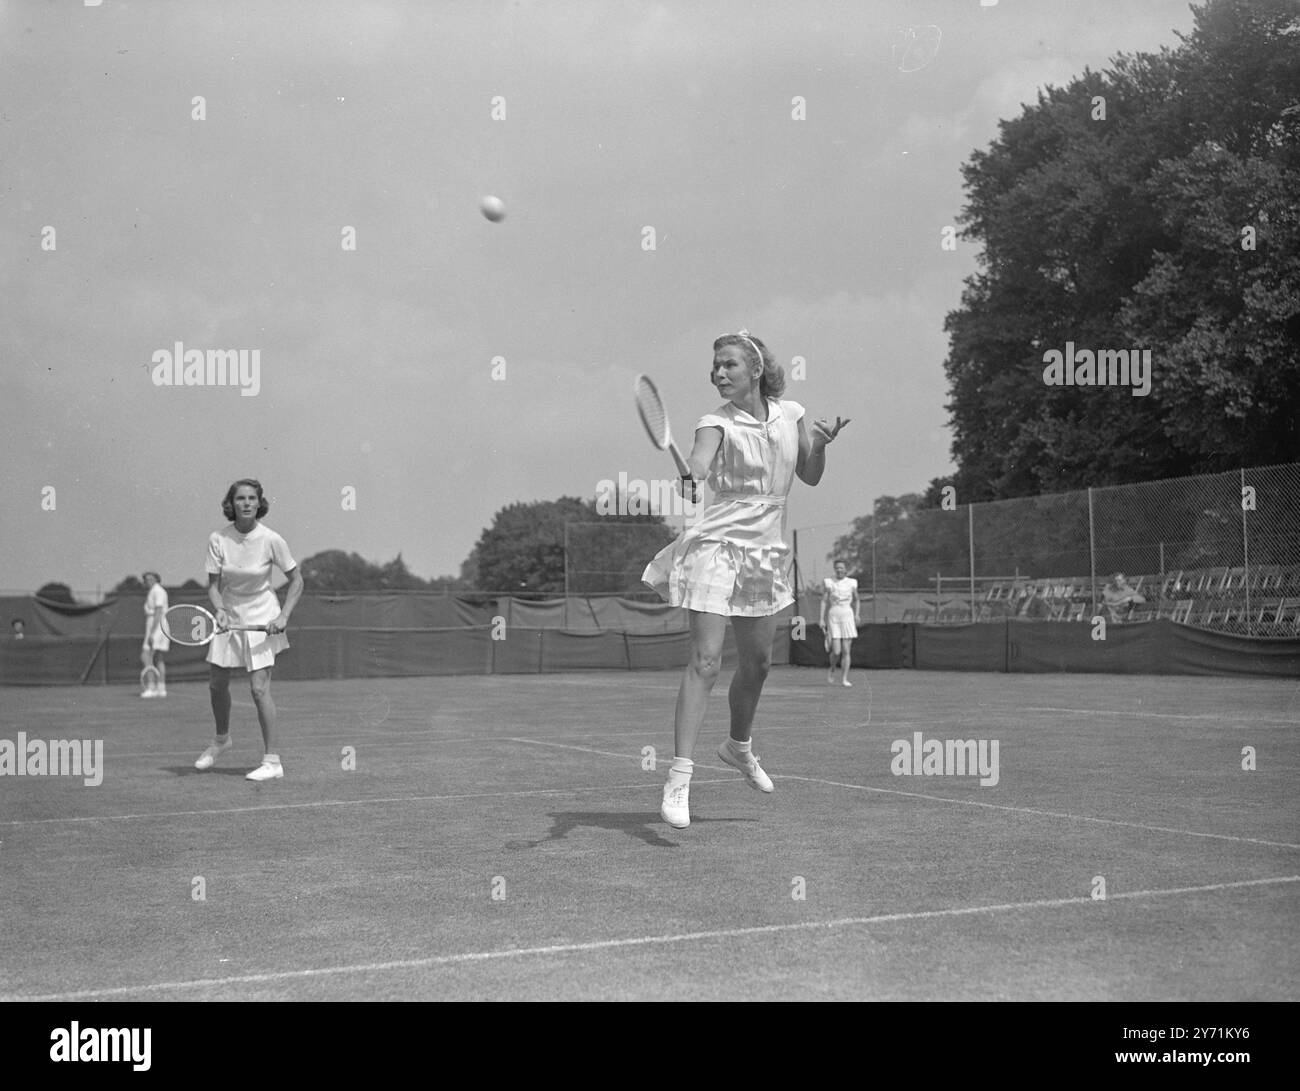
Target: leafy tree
(1127,232)
(56,592)
(336,570)
(911,542)
(524,548)
(131,585)
(395,576)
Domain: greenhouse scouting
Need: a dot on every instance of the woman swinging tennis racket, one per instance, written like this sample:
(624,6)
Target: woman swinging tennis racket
(733,563)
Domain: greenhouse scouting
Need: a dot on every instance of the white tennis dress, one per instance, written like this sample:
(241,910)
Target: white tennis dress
(155,605)
(734,561)
(839,615)
(244,561)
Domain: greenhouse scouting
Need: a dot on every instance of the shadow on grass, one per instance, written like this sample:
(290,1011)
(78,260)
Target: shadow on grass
(223,771)
(644,827)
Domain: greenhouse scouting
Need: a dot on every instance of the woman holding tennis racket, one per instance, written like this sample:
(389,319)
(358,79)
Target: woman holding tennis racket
(733,563)
(840,619)
(250,620)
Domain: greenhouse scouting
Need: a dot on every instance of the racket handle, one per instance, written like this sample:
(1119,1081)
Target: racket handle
(682,467)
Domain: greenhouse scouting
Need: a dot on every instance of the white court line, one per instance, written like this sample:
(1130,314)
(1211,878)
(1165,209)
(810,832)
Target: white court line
(338,803)
(1036,811)
(584,749)
(965,802)
(431,736)
(615,754)
(361,741)
(1215,717)
(637,941)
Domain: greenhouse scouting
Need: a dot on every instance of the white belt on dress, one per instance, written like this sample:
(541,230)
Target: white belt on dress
(748,498)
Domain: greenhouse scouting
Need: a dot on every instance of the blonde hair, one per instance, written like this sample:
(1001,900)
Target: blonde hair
(772,382)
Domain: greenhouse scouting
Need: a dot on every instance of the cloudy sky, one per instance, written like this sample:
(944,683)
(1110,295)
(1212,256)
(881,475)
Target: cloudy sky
(820,235)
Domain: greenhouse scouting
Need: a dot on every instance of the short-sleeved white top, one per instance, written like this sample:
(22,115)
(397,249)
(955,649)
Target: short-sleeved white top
(155,604)
(244,563)
(756,457)
(840,592)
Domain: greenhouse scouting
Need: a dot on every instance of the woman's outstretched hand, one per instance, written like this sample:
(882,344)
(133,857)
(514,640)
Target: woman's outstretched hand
(823,432)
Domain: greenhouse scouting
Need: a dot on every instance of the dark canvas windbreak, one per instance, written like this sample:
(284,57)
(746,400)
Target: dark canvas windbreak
(371,636)
(374,635)
(1029,647)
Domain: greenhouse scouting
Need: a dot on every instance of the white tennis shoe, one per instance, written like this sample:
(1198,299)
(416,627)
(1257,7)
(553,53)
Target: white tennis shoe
(675,809)
(268,770)
(747,764)
(210,755)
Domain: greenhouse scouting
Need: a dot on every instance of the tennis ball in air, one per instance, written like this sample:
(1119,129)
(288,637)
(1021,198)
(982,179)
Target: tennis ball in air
(493,208)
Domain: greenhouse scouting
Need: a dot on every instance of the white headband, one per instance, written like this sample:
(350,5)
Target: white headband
(757,352)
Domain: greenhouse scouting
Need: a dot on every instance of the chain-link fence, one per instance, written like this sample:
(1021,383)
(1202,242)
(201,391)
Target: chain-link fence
(1221,551)
(608,557)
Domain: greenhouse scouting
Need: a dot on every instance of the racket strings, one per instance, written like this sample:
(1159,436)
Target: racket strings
(188,624)
(653,414)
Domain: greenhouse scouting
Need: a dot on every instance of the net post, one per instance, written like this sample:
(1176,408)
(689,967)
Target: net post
(1245,554)
(1092,551)
(566,574)
(875,531)
(970,535)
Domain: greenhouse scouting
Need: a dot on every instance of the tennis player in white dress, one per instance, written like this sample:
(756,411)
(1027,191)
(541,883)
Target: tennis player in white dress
(240,559)
(840,619)
(156,644)
(732,565)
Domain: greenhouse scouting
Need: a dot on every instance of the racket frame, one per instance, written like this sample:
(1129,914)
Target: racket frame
(666,444)
(167,629)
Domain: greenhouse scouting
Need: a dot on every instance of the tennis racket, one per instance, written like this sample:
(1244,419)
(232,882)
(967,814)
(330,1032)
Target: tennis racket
(195,626)
(655,418)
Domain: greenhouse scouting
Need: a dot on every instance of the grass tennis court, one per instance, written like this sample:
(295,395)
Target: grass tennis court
(378,883)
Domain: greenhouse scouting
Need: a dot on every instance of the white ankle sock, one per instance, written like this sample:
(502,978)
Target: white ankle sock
(681,769)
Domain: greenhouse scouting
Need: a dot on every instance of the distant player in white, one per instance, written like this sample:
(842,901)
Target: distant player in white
(156,643)
(240,559)
(840,619)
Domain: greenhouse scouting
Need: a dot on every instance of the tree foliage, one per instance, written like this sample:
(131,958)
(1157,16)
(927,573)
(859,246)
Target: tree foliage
(336,570)
(911,543)
(524,548)
(1130,231)
(56,592)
